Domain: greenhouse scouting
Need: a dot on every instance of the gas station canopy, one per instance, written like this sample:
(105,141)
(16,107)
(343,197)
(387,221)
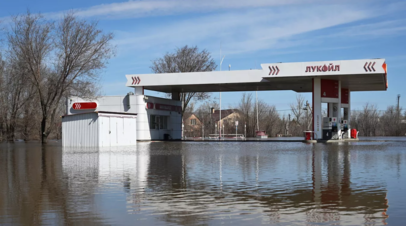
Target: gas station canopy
(355,75)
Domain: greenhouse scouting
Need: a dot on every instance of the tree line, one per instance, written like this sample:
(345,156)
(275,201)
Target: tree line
(368,121)
(371,122)
(42,63)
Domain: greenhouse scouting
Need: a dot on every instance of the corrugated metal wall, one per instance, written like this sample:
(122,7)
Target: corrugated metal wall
(116,130)
(80,130)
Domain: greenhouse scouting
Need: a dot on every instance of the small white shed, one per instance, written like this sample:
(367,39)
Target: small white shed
(99,129)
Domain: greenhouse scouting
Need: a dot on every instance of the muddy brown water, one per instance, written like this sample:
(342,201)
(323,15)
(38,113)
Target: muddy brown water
(203,183)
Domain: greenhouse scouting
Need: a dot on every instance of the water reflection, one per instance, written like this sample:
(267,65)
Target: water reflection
(199,183)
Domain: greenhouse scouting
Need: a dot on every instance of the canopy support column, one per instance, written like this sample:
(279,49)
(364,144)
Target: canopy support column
(317,116)
(139,90)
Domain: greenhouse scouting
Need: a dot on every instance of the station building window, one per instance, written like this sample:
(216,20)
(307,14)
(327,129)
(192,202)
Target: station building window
(158,122)
(193,121)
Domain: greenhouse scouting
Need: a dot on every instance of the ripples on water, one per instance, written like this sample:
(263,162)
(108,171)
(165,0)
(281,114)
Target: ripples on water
(198,183)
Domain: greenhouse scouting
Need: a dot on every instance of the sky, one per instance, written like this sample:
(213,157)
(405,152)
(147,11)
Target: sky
(249,33)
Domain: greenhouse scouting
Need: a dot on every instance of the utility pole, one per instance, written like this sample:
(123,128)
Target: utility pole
(221,62)
(398,108)
(256,100)
(307,115)
(203,132)
(398,115)
(245,130)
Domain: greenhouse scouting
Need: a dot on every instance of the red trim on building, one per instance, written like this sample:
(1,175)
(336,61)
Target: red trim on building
(167,107)
(150,105)
(84,105)
(344,96)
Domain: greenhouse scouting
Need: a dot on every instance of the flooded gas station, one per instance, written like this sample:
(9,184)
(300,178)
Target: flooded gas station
(205,183)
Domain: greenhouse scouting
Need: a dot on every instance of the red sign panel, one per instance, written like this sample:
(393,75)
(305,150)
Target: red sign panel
(150,105)
(166,107)
(344,96)
(84,105)
(329,88)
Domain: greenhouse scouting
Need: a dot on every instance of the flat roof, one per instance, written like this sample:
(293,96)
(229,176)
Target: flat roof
(356,75)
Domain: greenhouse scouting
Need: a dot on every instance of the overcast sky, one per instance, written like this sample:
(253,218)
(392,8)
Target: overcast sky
(251,32)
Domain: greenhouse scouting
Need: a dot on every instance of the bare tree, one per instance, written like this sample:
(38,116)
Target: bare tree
(204,113)
(17,91)
(246,107)
(3,101)
(368,120)
(57,57)
(272,121)
(185,59)
(268,118)
(297,109)
(302,116)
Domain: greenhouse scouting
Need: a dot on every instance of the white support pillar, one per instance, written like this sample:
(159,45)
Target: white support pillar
(317,115)
(139,90)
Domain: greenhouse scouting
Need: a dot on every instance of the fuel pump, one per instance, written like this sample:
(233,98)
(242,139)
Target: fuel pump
(345,128)
(331,128)
(335,129)
(327,128)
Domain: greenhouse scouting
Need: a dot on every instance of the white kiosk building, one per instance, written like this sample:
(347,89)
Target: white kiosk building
(330,82)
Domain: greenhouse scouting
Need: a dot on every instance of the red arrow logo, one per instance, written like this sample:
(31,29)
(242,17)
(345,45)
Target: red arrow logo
(136,80)
(274,70)
(369,67)
(84,105)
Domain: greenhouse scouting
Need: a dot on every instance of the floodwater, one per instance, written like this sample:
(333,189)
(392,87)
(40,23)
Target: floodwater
(205,183)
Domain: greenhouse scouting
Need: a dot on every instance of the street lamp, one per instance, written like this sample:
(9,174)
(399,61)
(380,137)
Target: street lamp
(221,62)
(307,114)
(202,132)
(183,133)
(245,130)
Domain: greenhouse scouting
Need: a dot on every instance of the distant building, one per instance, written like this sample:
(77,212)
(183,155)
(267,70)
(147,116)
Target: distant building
(228,117)
(192,125)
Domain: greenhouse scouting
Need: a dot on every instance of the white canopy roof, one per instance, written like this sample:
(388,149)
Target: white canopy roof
(356,75)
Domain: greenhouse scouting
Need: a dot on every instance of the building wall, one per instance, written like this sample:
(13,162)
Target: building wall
(80,130)
(144,132)
(229,123)
(192,130)
(231,118)
(117,130)
(137,104)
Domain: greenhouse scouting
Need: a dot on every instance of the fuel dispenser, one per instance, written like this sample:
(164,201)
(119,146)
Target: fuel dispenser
(327,128)
(331,128)
(344,130)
